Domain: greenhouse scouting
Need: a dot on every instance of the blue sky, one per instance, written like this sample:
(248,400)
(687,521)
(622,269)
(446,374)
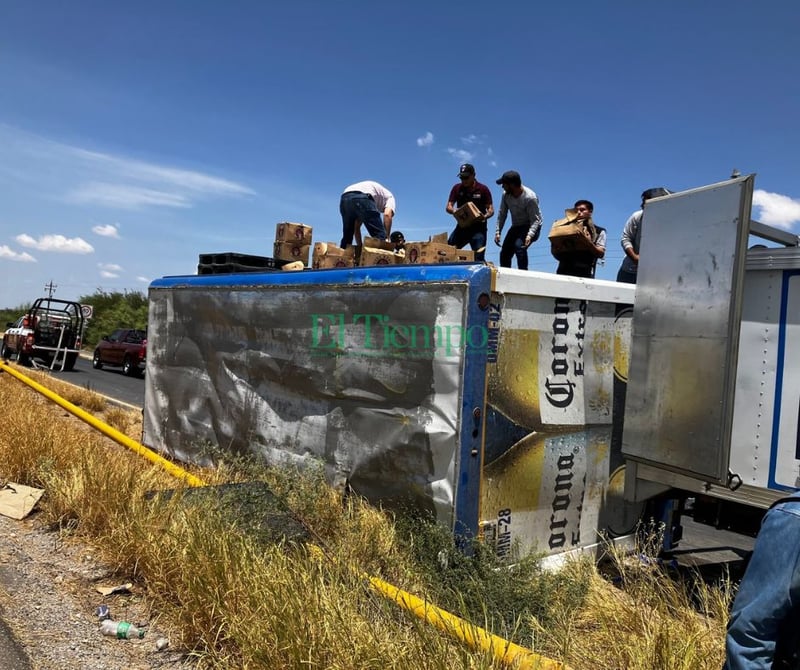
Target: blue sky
(135,136)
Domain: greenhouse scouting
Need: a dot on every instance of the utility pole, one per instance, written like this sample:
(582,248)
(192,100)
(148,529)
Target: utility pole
(50,288)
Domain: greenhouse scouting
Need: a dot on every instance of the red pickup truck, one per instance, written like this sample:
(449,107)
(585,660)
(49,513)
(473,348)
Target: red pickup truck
(125,348)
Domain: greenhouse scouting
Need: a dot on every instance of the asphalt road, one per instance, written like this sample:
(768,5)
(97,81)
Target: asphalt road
(109,382)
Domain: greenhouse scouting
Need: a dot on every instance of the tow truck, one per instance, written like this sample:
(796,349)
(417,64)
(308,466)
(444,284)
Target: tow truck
(48,335)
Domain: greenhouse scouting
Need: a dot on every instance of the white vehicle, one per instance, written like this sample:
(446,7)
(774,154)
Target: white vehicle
(496,398)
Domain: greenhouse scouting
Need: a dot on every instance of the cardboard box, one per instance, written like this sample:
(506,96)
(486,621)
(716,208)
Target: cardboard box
(439,238)
(376,243)
(568,237)
(328,255)
(293,232)
(292,251)
(467,214)
(329,262)
(465,255)
(429,252)
(371,256)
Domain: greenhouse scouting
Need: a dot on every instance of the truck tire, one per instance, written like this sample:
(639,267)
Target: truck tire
(128,368)
(69,362)
(23,359)
(97,364)
(5,354)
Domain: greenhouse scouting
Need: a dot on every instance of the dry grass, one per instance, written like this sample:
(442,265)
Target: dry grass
(238,596)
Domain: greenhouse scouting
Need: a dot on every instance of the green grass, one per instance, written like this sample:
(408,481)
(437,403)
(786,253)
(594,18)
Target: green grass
(230,569)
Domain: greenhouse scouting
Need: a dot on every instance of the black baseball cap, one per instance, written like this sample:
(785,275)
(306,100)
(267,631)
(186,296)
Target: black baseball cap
(466,170)
(657,192)
(510,177)
(397,236)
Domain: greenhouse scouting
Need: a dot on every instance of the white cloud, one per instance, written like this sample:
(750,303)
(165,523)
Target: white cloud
(126,197)
(462,155)
(105,274)
(470,139)
(78,175)
(187,180)
(144,280)
(57,243)
(776,209)
(7,253)
(426,140)
(110,267)
(107,230)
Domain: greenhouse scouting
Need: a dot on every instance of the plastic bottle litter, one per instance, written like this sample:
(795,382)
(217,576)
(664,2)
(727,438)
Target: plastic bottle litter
(122,630)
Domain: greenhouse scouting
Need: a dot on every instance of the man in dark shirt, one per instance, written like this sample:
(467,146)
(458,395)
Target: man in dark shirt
(470,190)
(582,263)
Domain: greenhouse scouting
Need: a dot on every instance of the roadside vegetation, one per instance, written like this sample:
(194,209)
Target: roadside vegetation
(230,571)
(112,310)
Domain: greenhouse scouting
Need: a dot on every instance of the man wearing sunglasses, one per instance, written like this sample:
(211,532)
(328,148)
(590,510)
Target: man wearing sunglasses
(470,190)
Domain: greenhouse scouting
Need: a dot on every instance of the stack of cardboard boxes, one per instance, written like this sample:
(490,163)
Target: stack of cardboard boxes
(436,250)
(292,242)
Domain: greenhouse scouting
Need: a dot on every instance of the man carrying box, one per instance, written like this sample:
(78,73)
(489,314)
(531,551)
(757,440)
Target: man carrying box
(471,226)
(579,258)
(365,202)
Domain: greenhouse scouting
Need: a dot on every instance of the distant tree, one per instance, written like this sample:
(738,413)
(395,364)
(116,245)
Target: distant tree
(112,310)
(11,314)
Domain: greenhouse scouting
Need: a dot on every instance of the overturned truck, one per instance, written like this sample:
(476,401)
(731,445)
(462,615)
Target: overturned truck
(538,412)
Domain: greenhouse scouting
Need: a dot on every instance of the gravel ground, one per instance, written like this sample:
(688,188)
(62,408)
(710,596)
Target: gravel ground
(48,598)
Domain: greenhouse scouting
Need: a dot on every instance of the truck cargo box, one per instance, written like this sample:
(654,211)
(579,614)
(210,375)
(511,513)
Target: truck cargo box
(487,397)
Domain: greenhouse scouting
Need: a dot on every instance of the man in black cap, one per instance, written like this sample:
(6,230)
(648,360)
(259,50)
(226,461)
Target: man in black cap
(632,237)
(398,239)
(526,220)
(470,190)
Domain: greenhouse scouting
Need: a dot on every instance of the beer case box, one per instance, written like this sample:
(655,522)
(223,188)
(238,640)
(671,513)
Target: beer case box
(566,238)
(371,256)
(376,243)
(292,251)
(439,238)
(329,255)
(329,261)
(293,232)
(429,252)
(467,214)
(465,255)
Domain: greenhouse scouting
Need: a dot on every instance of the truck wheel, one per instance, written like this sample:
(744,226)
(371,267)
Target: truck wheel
(69,362)
(5,354)
(23,359)
(127,367)
(97,364)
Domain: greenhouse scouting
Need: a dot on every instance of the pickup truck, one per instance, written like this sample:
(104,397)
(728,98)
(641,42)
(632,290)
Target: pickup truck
(50,332)
(126,348)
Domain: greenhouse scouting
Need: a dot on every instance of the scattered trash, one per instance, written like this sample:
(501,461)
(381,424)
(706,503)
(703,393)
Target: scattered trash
(103,612)
(122,630)
(162,643)
(17,500)
(111,590)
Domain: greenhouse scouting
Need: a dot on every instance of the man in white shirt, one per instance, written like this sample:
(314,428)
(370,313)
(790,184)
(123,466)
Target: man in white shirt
(369,203)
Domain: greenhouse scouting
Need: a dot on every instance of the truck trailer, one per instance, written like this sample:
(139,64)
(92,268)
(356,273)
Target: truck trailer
(538,412)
